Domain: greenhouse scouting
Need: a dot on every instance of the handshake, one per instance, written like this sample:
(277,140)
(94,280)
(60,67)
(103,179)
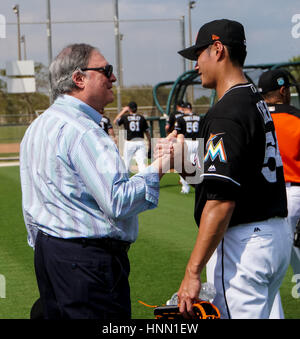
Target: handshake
(172,153)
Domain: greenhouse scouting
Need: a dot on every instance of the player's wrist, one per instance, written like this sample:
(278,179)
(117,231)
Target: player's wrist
(163,164)
(194,270)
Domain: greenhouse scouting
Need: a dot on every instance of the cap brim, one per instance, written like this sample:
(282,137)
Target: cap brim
(190,52)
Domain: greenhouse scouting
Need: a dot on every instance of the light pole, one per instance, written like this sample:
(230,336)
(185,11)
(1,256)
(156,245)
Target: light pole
(24,46)
(49,38)
(121,62)
(16,10)
(118,52)
(182,28)
(192,4)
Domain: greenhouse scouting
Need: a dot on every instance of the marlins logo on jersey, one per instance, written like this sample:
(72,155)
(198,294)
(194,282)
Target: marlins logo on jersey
(215,150)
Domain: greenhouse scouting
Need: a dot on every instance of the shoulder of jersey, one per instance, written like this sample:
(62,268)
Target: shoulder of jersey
(178,115)
(283,108)
(237,102)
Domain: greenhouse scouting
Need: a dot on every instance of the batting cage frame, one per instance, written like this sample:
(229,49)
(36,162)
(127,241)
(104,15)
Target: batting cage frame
(180,86)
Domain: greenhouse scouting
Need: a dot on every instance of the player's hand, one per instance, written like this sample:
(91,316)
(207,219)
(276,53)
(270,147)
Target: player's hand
(165,146)
(188,294)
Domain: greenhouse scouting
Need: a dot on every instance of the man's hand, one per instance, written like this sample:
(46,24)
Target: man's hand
(188,294)
(172,144)
(164,154)
(214,221)
(175,143)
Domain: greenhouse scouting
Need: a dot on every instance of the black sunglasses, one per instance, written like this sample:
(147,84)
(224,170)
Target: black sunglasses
(107,70)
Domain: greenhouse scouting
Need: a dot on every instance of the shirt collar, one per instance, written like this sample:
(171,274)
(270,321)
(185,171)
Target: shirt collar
(79,105)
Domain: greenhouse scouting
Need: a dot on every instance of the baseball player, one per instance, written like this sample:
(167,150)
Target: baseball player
(136,127)
(274,86)
(188,125)
(107,126)
(241,203)
(173,116)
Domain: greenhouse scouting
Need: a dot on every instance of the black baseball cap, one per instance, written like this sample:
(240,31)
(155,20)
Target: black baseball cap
(229,32)
(272,80)
(133,106)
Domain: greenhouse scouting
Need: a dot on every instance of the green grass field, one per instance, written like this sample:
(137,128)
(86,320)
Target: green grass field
(158,258)
(10,134)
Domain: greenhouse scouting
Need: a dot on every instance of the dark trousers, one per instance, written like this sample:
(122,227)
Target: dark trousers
(81,281)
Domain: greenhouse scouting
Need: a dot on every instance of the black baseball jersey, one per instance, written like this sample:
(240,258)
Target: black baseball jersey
(135,125)
(242,161)
(172,119)
(105,124)
(188,125)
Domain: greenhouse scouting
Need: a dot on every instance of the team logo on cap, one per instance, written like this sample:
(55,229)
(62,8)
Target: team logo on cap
(214,151)
(280,81)
(215,37)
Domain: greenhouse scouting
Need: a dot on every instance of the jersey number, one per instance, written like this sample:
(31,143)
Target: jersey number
(134,126)
(272,155)
(192,127)
(272,159)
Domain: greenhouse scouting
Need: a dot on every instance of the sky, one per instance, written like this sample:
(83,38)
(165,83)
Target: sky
(149,48)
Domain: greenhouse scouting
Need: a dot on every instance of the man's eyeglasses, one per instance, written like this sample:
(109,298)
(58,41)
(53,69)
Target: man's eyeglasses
(107,70)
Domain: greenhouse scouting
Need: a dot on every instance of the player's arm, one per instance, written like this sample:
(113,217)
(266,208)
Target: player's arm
(214,222)
(110,131)
(178,126)
(170,124)
(124,110)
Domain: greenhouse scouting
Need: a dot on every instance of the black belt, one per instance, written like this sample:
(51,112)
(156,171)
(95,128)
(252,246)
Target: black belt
(295,183)
(106,243)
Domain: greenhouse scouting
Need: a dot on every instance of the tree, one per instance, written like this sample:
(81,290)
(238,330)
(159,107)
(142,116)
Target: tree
(295,70)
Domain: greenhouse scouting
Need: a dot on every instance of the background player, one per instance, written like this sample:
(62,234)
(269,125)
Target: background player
(188,125)
(173,116)
(275,88)
(136,127)
(107,126)
(241,204)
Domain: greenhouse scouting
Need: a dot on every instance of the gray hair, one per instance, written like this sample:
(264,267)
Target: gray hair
(72,58)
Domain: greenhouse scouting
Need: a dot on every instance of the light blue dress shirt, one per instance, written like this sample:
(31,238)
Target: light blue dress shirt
(74,182)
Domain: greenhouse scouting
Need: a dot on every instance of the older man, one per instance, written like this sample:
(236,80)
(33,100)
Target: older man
(80,207)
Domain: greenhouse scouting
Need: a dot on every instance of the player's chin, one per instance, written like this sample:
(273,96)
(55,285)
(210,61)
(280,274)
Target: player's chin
(206,84)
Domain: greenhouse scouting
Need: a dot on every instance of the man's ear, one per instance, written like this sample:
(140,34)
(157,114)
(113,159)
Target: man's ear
(219,49)
(283,90)
(79,79)
(285,94)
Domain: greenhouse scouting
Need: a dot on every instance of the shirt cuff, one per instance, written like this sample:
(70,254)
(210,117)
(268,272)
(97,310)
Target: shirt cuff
(151,177)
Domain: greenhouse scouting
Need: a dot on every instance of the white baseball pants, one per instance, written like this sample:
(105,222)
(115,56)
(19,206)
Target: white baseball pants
(248,267)
(293,200)
(137,150)
(192,146)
